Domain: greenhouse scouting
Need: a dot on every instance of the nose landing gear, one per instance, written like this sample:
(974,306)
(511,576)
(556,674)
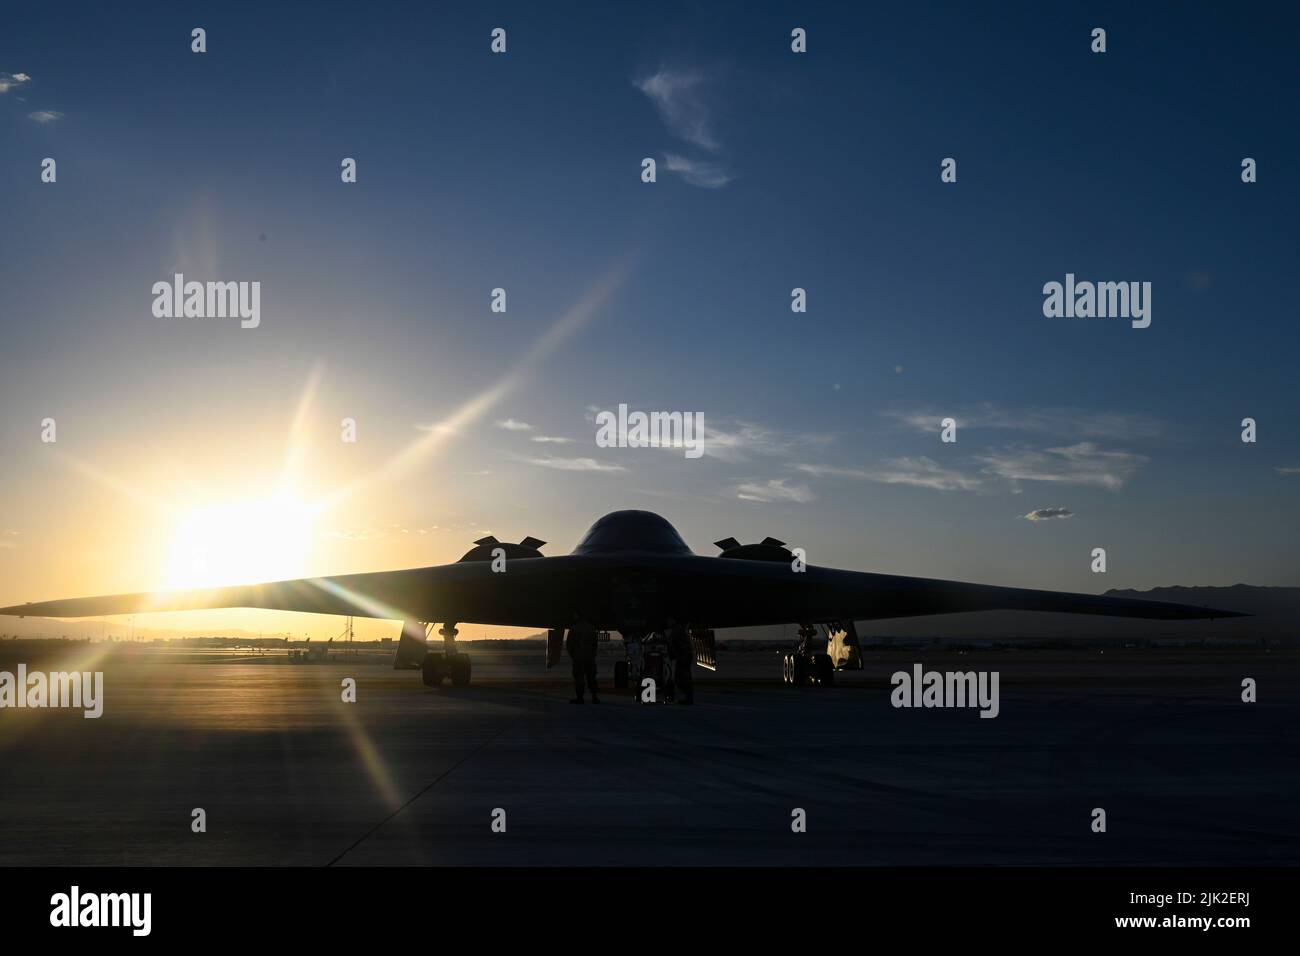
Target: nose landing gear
(627,672)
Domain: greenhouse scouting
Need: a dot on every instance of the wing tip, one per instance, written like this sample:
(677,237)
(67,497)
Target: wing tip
(1216,613)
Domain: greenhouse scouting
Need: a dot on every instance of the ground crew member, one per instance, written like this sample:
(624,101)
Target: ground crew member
(581,645)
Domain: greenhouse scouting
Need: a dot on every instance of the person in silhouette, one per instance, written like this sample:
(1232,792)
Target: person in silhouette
(581,645)
(679,644)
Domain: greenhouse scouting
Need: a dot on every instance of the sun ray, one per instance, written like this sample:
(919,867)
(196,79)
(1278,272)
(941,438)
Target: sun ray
(475,408)
(217,542)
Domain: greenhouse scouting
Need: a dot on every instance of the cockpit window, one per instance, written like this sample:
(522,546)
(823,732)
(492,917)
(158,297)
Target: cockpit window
(632,531)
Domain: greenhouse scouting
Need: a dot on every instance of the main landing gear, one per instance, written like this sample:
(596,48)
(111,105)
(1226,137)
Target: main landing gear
(802,667)
(446,663)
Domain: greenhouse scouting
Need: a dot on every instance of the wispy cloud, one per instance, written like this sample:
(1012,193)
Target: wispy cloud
(1288,471)
(740,441)
(918,472)
(437,428)
(679,97)
(552,439)
(45,117)
(1058,422)
(1083,463)
(832,471)
(9,539)
(1048,514)
(734,441)
(512,425)
(391,532)
(682,99)
(575,464)
(743,441)
(775,489)
(1080,464)
(706,175)
(9,80)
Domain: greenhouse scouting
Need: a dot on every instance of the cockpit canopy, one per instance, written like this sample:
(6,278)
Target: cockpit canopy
(632,531)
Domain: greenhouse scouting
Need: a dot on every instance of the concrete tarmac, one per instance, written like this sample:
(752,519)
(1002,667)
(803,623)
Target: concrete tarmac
(289,774)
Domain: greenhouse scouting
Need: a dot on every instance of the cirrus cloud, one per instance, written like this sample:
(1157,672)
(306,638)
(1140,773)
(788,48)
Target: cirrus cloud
(678,95)
(1057,422)
(682,98)
(775,489)
(700,173)
(513,425)
(1083,463)
(574,464)
(918,472)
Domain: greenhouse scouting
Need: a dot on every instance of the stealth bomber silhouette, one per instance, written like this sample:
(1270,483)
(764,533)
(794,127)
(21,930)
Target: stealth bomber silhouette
(630,573)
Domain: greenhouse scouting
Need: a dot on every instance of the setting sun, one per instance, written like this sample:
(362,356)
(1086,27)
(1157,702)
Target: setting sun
(238,542)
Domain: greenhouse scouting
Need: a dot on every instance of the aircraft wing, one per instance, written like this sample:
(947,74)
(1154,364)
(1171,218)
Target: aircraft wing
(875,596)
(531,592)
(393,595)
(732,593)
(545,592)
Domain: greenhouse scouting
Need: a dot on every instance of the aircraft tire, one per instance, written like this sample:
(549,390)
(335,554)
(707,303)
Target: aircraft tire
(431,670)
(620,674)
(799,670)
(460,671)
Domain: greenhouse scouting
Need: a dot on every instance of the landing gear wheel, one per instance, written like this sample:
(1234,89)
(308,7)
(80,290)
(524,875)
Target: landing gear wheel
(460,670)
(799,670)
(620,674)
(431,671)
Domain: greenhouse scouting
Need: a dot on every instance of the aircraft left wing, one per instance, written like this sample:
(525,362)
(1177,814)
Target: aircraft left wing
(396,595)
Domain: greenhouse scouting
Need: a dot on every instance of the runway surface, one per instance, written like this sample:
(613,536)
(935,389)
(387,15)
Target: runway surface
(288,774)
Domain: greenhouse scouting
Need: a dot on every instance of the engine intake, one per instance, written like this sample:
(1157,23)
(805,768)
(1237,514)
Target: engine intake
(769,549)
(482,551)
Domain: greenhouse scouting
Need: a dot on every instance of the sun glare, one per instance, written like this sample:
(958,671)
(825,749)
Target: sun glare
(241,542)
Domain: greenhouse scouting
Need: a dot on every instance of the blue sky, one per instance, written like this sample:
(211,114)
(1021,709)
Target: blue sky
(522,171)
